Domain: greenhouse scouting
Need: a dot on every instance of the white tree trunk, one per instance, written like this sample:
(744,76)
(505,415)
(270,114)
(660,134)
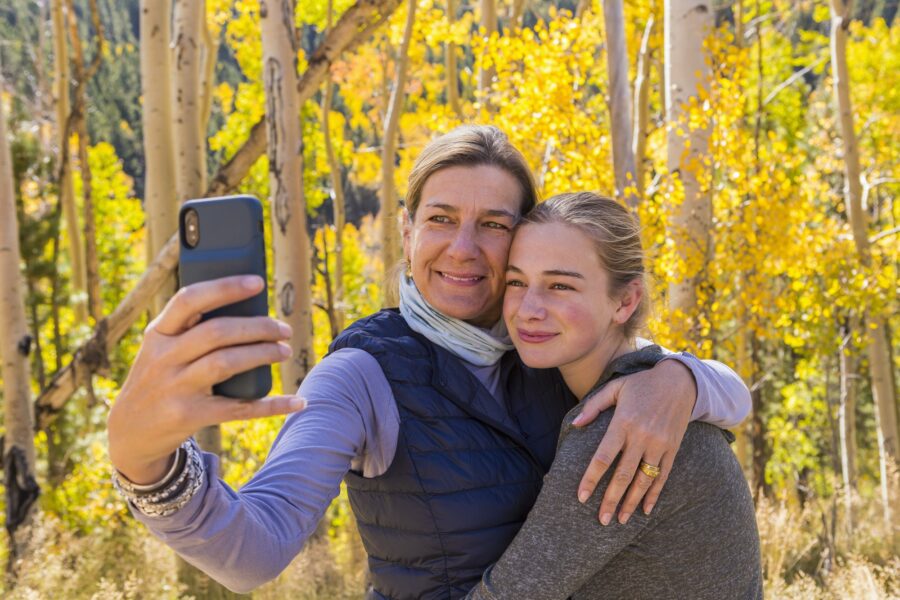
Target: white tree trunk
(451,67)
(687,24)
(15,343)
(160,194)
(79,116)
(876,334)
(340,212)
(190,141)
(620,101)
(641,107)
(516,14)
(489,26)
(291,243)
(66,191)
(847,420)
(390,227)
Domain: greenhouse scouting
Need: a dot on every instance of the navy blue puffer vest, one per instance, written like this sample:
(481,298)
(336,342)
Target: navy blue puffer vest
(466,470)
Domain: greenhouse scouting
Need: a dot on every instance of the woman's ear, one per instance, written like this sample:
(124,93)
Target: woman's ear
(407,234)
(629,301)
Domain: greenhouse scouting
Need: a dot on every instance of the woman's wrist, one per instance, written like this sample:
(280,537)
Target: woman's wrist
(165,497)
(154,476)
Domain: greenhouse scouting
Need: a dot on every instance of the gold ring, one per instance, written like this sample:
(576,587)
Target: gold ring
(649,470)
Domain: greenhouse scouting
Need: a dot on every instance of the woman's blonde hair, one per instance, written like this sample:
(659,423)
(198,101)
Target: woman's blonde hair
(470,146)
(615,234)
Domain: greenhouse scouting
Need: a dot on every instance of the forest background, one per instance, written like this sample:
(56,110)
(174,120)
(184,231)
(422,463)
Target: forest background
(765,182)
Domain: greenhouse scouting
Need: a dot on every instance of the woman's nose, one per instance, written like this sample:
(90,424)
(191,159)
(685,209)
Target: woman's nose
(463,246)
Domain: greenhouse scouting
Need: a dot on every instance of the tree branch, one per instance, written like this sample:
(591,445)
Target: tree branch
(355,25)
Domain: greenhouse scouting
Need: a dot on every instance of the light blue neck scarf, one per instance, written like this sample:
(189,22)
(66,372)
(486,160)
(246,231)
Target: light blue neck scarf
(473,344)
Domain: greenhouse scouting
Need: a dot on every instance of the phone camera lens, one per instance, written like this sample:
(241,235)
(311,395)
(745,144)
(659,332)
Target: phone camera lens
(191,228)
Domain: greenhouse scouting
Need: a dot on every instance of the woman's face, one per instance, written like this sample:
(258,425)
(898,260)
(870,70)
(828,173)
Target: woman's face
(557,304)
(458,243)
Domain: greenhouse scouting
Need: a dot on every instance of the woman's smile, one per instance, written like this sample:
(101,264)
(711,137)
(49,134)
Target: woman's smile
(458,240)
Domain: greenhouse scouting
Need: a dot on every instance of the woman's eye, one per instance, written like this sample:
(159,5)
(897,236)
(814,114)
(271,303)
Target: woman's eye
(440,219)
(561,286)
(496,225)
(514,283)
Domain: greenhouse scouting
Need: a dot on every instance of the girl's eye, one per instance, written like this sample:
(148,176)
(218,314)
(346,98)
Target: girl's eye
(514,283)
(496,225)
(561,286)
(440,219)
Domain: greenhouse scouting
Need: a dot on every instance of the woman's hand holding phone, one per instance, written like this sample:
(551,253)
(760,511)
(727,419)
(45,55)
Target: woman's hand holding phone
(167,395)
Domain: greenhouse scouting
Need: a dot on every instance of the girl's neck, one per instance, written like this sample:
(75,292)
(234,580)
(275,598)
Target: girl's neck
(581,375)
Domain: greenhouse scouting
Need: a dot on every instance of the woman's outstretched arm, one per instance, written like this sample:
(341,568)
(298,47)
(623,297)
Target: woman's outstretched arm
(245,538)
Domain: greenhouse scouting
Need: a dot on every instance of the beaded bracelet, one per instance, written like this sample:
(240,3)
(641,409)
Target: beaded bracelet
(174,495)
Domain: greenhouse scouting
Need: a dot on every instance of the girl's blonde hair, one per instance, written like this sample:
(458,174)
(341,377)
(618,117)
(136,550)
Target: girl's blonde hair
(615,234)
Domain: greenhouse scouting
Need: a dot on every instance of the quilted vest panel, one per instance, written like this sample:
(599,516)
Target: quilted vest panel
(466,471)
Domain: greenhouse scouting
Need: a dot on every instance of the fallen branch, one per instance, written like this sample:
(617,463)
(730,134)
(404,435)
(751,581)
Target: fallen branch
(92,355)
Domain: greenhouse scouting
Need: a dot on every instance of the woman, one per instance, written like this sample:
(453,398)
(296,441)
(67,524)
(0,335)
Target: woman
(574,300)
(442,434)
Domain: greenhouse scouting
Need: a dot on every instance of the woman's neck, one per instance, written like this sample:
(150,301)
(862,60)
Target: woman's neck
(581,375)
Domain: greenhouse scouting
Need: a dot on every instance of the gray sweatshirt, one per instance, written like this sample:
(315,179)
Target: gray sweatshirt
(700,541)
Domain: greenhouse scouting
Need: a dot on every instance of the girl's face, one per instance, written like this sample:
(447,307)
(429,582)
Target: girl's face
(557,305)
(458,243)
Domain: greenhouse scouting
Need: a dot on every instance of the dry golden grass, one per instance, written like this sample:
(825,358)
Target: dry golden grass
(801,560)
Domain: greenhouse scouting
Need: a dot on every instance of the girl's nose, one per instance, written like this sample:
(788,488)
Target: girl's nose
(532,306)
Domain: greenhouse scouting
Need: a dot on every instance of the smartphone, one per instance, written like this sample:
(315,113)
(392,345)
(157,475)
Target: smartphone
(221,237)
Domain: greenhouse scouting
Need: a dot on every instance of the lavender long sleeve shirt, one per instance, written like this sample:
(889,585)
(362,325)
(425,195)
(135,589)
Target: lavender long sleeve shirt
(245,538)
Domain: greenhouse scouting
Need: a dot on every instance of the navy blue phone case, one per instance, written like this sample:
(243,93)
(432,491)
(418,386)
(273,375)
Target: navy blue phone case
(231,242)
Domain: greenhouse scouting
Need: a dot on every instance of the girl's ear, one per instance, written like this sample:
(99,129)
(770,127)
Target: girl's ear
(629,300)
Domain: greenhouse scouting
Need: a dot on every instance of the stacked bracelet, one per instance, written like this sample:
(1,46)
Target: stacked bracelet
(170,494)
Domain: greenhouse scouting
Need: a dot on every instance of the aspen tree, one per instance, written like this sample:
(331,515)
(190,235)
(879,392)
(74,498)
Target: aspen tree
(488,28)
(620,101)
(79,117)
(160,195)
(337,186)
(190,182)
(390,228)
(190,140)
(292,292)
(66,190)
(641,106)
(877,345)
(15,344)
(516,14)
(687,23)
(450,65)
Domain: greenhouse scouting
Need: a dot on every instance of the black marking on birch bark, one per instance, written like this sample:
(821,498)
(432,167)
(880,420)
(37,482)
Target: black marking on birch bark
(303,361)
(263,9)
(24,345)
(22,489)
(287,21)
(286,298)
(274,110)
